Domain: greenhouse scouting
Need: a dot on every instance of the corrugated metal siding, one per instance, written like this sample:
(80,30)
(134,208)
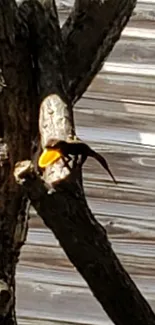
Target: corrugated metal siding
(117,117)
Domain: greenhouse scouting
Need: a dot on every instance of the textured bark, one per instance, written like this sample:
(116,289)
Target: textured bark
(17,105)
(21,60)
(85,243)
(46,47)
(53,76)
(89,35)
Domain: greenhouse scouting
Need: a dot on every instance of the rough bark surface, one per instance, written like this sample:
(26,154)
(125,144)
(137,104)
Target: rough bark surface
(99,21)
(50,79)
(85,243)
(16,110)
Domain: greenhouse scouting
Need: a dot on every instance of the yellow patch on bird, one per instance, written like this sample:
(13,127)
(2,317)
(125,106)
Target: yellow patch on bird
(49,156)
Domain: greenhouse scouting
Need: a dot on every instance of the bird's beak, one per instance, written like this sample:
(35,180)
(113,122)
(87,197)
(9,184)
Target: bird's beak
(49,156)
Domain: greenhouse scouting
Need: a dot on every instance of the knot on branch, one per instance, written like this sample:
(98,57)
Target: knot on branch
(23,169)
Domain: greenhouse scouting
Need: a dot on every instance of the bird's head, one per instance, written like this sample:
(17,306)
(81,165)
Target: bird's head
(55,144)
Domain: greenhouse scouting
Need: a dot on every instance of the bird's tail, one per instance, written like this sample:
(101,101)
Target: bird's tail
(103,162)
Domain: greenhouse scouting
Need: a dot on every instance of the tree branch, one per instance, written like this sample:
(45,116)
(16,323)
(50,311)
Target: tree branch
(46,46)
(56,115)
(89,35)
(18,104)
(81,236)
(32,35)
(50,66)
(85,243)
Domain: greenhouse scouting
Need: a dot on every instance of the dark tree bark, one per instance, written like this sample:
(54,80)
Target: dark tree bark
(17,107)
(86,244)
(47,85)
(98,21)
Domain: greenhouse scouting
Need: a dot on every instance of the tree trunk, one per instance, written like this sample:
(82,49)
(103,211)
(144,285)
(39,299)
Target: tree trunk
(16,110)
(86,244)
(50,80)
